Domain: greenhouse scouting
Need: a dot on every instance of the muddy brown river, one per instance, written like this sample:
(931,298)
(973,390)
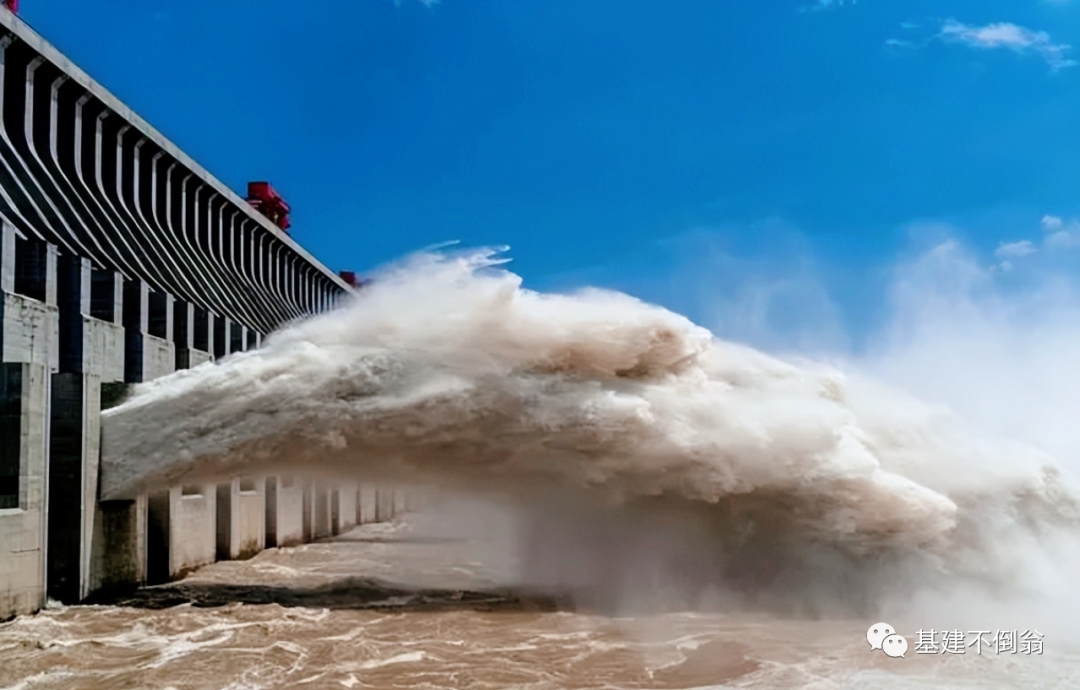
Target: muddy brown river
(412,605)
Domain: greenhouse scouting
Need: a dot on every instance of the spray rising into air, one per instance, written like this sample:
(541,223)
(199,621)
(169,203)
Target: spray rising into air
(645,448)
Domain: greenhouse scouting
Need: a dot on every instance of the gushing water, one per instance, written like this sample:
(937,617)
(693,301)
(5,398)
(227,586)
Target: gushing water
(646,458)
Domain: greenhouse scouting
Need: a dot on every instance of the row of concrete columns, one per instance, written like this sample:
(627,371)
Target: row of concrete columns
(192,525)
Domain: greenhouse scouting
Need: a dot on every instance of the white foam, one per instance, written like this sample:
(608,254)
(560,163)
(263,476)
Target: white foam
(405,658)
(447,370)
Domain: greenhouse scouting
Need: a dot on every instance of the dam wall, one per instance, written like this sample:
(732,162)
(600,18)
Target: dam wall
(122,260)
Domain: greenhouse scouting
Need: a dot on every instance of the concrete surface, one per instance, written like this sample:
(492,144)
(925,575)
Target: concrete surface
(322,519)
(368,497)
(189,358)
(241,518)
(192,525)
(285,511)
(22,529)
(345,515)
(159,358)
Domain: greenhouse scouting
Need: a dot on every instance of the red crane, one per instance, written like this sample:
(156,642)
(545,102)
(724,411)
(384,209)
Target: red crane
(269,203)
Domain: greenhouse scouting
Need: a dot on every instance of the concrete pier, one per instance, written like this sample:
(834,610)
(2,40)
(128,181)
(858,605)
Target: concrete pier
(321,517)
(181,524)
(384,504)
(344,512)
(192,515)
(367,508)
(241,518)
(28,337)
(284,511)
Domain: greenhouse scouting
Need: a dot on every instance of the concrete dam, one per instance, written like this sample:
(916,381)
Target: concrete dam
(123,260)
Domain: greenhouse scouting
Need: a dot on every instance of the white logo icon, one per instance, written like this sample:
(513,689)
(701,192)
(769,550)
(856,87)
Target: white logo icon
(883,636)
(894,646)
(878,632)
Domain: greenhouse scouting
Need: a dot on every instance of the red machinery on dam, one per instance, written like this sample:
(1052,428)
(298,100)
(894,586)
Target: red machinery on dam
(268,202)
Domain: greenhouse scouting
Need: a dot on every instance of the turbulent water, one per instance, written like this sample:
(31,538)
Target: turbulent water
(648,468)
(350,621)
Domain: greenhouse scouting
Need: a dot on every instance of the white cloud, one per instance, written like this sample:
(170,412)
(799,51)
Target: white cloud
(1015,250)
(901,42)
(1062,240)
(1059,234)
(1051,223)
(819,5)
(1010,37)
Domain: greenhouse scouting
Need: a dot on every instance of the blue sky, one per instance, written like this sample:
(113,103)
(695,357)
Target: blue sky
(689,152)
